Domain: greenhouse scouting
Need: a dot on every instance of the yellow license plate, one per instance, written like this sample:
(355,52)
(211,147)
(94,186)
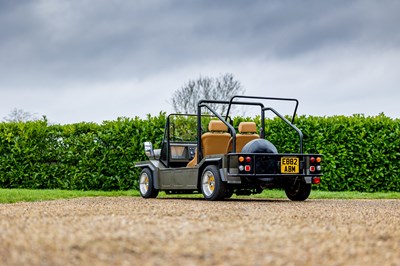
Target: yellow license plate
(290,165)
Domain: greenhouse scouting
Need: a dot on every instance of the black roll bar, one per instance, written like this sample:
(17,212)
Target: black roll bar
(290,124)
(262,128)
(204,103)
(264,98)
(233,132)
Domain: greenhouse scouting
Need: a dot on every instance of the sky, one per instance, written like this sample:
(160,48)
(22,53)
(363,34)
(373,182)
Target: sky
(86,60)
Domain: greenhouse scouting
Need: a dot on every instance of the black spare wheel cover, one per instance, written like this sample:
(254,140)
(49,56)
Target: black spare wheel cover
(259,146)
(263,164)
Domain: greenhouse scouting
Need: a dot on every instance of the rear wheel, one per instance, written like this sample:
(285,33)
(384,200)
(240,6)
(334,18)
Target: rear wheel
(146,184)
(298,191)
(212,186)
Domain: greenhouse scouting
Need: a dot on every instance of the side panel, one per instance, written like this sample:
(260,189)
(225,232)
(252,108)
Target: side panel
(233,169)
(221,161)
(179,178)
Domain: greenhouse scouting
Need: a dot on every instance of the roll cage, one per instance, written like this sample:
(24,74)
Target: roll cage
(232,102)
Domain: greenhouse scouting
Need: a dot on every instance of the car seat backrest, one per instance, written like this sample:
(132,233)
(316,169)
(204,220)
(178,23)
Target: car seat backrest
(247,133)
(215,141)
(247,128)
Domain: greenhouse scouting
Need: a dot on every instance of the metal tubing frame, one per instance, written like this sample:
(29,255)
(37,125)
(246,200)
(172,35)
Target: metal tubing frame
(233,132)
(204,103)
(265,98)
(290,124)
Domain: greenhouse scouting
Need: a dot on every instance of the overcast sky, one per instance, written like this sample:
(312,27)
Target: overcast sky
(83,60)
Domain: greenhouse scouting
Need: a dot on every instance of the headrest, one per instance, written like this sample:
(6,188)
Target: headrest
(217,125)
(247,127)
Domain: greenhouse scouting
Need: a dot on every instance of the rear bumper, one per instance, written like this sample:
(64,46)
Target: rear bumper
(264,165)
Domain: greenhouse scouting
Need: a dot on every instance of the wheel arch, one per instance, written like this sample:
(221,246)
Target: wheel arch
(154,172)
(207,162)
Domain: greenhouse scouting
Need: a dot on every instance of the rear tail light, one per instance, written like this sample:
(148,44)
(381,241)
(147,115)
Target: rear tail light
(312,168)
(245,163)
(312,159)
(316,180)
(318,159)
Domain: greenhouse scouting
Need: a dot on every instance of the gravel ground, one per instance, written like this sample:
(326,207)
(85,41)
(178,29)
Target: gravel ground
(135,231)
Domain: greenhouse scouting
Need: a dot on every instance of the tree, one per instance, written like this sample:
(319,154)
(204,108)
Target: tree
(224,87)
(19,115)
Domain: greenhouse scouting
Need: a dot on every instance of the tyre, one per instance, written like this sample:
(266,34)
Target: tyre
(212,186)
(146,184)
(259,146)
(298,191)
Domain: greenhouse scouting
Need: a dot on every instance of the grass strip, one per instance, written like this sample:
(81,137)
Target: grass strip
(30,195)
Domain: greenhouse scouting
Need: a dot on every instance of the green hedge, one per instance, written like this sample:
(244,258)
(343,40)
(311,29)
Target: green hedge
(84,156)
(360,153)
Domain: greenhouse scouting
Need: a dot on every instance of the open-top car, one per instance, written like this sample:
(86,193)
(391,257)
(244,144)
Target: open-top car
(204,153)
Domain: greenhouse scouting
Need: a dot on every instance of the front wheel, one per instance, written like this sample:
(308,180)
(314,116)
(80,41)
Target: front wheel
(212,186)
(146,184)
(298,191)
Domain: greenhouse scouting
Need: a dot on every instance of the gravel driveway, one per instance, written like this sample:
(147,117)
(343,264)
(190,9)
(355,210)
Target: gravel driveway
(135,231)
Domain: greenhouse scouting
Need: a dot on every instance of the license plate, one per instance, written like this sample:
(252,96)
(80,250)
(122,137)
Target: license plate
(290,165)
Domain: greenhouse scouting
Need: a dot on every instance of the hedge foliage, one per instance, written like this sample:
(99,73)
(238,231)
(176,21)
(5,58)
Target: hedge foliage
(360,153)
(83,156)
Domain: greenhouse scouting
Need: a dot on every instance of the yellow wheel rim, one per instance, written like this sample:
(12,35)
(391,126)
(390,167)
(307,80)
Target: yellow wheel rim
(211,183)
(144,183)
(208,183)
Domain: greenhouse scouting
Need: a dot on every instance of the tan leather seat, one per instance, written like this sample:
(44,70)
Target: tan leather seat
(247,133)
(215,141)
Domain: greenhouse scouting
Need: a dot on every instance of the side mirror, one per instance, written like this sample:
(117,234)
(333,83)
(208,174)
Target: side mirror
(148,149)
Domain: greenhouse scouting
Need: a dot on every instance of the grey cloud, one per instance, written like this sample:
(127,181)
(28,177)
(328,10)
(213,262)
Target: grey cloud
(58,41)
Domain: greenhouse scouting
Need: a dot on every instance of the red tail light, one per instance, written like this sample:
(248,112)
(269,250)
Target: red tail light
(316,180)
(312,168)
